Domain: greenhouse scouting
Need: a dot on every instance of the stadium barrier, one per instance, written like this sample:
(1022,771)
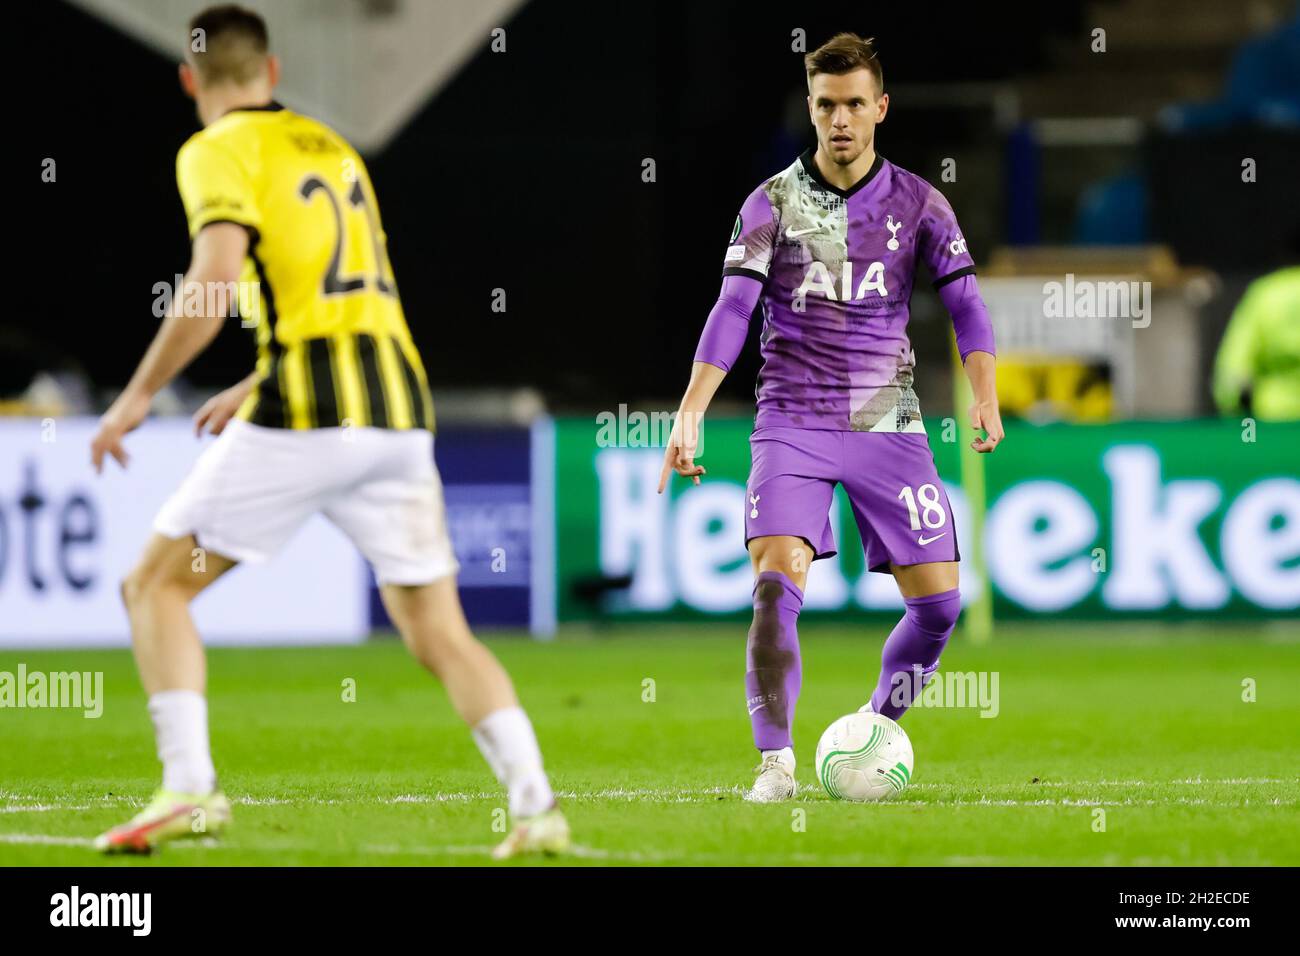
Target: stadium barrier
(68,537)
(1168,520)
(1141,519)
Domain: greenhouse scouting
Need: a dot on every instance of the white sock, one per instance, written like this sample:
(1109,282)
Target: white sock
(180,721)
(509,745)
(785,755)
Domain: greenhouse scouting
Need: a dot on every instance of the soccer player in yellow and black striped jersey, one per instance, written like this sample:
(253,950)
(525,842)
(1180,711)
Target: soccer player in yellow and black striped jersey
(333,345)
(336,419)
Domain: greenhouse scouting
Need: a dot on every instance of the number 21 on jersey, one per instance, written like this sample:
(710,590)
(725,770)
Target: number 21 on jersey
(333,283)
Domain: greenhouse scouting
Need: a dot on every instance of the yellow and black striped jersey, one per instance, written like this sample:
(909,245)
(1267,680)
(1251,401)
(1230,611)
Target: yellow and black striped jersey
(333,347)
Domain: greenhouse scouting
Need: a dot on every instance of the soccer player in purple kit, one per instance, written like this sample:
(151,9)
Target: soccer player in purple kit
(829,248)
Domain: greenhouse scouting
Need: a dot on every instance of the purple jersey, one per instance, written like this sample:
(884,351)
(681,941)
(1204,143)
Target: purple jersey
(837,268)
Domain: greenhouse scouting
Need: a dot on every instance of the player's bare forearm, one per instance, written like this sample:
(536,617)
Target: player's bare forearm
(981,370)
(705,379)
(176,344)
(217,259)
(679,456)
(216,263)
(174,347)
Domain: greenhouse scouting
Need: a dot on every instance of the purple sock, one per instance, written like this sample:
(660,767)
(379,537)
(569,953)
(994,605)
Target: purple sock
(913,649)
(773,671)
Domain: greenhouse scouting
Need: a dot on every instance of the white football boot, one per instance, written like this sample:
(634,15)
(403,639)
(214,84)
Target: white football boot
(169,816)
(546,833)
(775,781)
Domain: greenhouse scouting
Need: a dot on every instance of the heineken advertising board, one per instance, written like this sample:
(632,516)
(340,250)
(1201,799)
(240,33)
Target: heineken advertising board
(1150,519)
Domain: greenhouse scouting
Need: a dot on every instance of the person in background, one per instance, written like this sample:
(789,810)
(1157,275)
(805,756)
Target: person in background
(1257,370)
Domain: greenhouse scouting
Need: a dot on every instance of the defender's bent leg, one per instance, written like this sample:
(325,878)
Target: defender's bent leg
(157,594)
(169,654)
(434,629)
(911,653)
(433,626)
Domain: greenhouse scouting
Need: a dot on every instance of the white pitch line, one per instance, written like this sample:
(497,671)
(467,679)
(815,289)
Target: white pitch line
(44,839)
(688,795)
(677,795)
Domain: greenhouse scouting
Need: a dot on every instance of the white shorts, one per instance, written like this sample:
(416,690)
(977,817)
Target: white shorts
(254,487)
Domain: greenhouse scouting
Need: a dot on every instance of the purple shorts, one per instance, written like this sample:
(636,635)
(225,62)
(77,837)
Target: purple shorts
(898,501)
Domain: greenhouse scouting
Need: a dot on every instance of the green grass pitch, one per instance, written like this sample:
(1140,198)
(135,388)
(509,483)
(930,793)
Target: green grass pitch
(1146,723)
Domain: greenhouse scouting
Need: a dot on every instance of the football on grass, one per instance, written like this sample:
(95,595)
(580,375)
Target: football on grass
(864,757)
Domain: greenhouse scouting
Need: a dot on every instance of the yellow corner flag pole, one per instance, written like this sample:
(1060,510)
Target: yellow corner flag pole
(978,614)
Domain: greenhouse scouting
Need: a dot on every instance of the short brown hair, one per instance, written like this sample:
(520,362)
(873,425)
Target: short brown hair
(844,53)
(228,44)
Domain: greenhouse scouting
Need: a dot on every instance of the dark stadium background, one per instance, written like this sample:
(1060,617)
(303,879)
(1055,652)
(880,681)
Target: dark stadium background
(524,174)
